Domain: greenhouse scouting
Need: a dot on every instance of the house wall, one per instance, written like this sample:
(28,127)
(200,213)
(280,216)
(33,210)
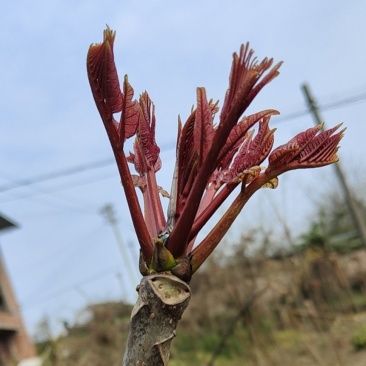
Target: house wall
(15,342)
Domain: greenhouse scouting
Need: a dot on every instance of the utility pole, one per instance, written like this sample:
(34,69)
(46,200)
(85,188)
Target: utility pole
(108,212)
(348,195)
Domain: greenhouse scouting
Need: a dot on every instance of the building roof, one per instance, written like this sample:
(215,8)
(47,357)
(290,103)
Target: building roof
(5,223)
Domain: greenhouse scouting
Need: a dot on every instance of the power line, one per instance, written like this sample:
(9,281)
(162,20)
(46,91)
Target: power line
(65,289)
(66,186)
(57,174)
(36,190)
(340,103)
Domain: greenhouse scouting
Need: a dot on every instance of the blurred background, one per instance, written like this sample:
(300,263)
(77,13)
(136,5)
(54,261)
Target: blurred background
(74,246)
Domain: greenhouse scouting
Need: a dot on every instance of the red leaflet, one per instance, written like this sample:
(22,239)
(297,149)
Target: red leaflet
(137,159)
(246,76)
(284,153)
(106,90)
(109,99)
(237,135)
(253,152)
(146,131)
(194,142)
(150,160)
(309,149)
(147,184)
(203,127)
(103,76)
(245,81)
(130,112)
(186,166)
(322,148)
(240,80)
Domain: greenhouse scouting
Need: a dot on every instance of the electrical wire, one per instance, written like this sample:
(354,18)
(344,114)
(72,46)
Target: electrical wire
(57,174)
(339,103)
(63,187)
(107,162)
(24,306)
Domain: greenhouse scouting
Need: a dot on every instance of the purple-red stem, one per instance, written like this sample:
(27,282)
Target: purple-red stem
(130,193)
(156,207)
(205,215)
(179,237)
(210,242)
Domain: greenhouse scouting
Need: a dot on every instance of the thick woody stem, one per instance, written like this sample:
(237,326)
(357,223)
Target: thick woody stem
(154,319)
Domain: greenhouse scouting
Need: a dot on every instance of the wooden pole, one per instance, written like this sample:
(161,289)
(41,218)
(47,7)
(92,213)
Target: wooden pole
(348,195)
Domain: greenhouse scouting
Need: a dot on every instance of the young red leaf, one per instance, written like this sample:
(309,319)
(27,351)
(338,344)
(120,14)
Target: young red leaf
(309,149)
(255,151)
(237,135)
(245,82)
(245,75)
(137,159)
(150,160)
(245,167)
(186,154)
(153,215)
(186,165)
(130,112)
(322,148)
(146,130)
(104,84)
(103,76)
(211,160)
(203,127)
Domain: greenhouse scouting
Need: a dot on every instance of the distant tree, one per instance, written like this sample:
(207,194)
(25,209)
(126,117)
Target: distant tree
(315,236)
(212,159)
(332,224)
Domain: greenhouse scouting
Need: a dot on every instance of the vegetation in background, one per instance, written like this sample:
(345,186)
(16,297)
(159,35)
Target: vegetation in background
(306,307)
(280,325)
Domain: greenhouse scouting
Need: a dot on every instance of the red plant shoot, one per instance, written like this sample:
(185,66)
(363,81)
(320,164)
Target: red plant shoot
(212,159)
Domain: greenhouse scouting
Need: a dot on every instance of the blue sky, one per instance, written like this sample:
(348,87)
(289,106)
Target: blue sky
(64,254)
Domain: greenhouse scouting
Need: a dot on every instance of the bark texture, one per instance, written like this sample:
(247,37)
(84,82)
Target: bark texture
(155,316)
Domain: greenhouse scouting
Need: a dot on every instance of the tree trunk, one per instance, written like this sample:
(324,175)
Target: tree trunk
(155,316)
